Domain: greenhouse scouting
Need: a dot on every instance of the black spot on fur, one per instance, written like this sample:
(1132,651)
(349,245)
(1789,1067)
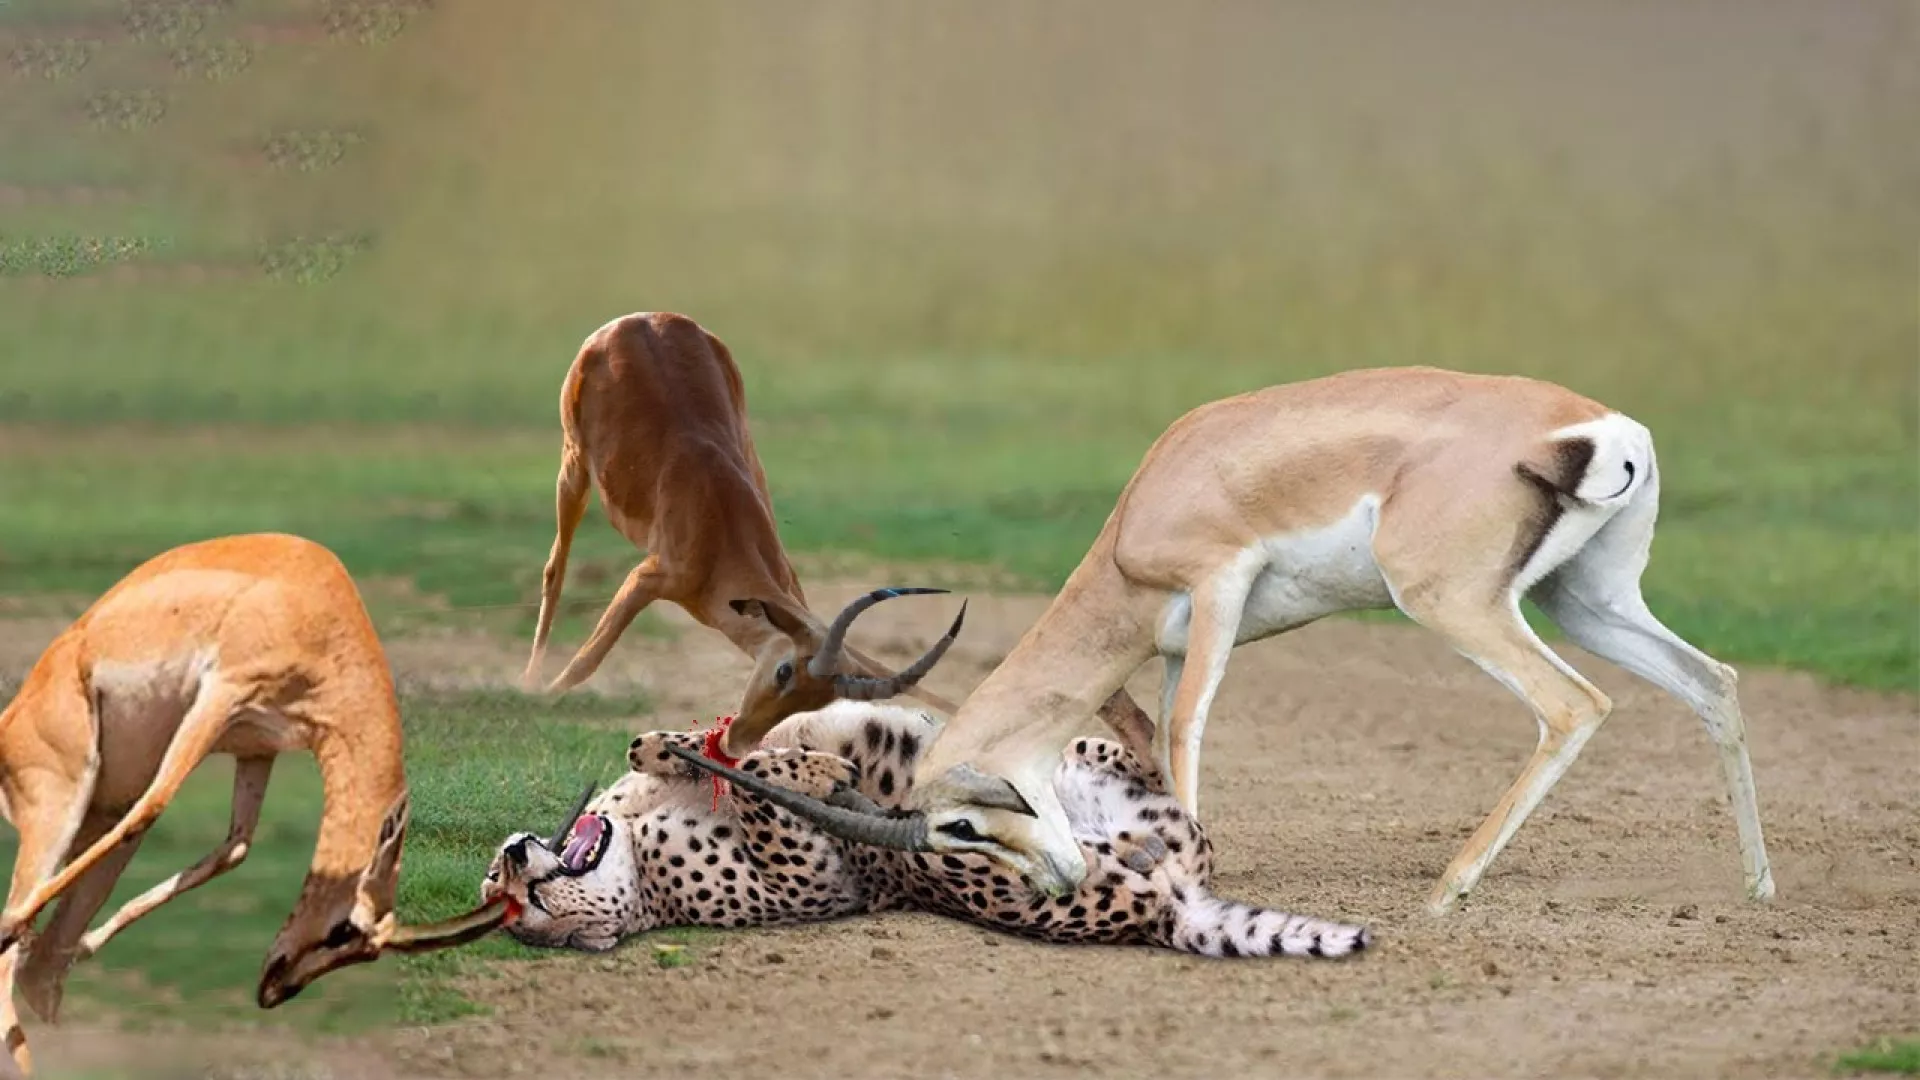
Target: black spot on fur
(909,745)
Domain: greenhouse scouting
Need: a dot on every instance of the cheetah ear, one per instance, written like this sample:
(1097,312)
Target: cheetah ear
(992,792)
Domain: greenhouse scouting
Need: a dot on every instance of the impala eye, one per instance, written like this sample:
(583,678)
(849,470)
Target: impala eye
(961,830)
(342,934)
(784,673)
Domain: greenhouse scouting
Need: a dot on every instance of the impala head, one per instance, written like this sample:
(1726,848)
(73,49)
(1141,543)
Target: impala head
(960,810)
(348,919)
(808,666)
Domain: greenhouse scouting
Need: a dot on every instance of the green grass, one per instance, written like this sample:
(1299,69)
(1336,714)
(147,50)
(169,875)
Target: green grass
(1900,1056)
(971,262)
(480,766)
(943,364)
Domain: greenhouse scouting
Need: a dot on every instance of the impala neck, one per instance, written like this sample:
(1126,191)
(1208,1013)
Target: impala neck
(361,775)
(1086,644)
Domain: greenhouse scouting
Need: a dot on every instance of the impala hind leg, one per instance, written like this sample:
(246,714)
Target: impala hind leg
(642,587)
(570,505)
(1596,600)
(51,951)
(199,730)
(1569,710)
(1215,623)
(48,807)
(250,776)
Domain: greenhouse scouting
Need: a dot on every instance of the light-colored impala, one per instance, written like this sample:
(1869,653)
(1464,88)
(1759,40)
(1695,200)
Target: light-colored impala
(653,414)
(252,646)
(1449,496)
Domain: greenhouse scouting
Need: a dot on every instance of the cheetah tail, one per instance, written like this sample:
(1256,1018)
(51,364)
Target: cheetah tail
(1210,926)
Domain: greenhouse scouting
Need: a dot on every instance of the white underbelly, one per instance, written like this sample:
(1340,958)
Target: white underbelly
(141,708)
(1292,579)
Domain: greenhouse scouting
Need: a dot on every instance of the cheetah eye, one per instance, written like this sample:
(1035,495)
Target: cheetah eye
(784,673)
(961,830)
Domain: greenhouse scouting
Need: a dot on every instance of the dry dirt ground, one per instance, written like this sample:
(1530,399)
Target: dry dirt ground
(1344,765)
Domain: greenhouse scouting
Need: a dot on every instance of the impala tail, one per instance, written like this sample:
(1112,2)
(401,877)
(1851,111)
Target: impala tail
(1206,925)
(1599,463)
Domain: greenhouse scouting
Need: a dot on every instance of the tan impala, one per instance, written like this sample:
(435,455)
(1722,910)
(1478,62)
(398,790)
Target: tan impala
(653,414)
(1449,496)
(252,646)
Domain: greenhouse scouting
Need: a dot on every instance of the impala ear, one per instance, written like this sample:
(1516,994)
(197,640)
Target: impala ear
(992,792)
(784,617)
(378,882)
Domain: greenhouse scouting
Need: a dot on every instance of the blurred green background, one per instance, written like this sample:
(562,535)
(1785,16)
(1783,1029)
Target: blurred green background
(320,266)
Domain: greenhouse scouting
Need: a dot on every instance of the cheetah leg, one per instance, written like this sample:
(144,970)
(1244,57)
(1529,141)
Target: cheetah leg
(789,852)
(806,771)
(1141,852)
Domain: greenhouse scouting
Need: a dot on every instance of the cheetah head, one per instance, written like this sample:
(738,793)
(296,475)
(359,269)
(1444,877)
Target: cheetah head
(579,888)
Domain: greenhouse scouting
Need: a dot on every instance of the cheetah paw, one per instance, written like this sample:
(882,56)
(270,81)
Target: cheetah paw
(648,753)
(1143,856)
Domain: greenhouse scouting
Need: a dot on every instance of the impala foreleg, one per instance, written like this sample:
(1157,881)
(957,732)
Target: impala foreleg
(642,587)
(250,776)
(1217,607)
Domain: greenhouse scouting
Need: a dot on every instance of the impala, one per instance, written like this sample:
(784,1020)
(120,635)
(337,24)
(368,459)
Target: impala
(1449,496)
(653,415)
(252,646)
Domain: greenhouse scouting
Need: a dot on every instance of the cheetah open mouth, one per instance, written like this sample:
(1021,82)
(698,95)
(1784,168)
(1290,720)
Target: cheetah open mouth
(586,843)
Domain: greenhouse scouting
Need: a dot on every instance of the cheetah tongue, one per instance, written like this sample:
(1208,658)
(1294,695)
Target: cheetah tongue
(581,843)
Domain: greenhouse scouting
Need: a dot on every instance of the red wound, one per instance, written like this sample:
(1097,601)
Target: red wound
(710,749)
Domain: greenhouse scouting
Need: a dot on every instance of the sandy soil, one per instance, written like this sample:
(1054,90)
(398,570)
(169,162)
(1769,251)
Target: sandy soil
(1344,764)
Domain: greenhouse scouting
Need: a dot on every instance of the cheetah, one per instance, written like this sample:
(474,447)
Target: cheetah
(664,847)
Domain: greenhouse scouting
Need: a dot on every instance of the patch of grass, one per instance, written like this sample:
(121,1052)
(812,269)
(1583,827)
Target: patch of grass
(480,766)
(941,367)
(1899,1056)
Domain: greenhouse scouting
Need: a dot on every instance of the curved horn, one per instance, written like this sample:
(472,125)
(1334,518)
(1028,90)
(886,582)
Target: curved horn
(906,833)
(862,688)
(827,658)
(447,933)
(566,824)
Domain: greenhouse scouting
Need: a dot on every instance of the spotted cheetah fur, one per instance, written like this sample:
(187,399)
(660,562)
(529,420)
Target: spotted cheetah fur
(672,859)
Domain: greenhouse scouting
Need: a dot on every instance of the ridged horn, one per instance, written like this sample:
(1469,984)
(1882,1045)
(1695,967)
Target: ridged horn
(827,659)
(904,833)
(447,933)
(566,824)
(862,688)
